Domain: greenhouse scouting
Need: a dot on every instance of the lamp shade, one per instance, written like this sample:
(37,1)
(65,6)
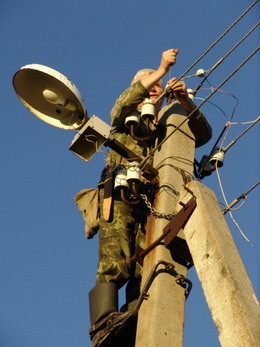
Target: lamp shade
(50,96)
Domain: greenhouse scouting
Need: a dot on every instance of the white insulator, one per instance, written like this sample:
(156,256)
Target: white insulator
(132,119)
(134,172)
(148,109)
(217,157)
(121,180)
(190,94)
(200,73)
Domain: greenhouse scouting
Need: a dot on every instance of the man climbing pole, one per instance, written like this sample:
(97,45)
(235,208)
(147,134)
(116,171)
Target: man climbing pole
(122,217)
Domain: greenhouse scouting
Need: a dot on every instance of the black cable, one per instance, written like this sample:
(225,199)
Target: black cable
(220,37)
(207,98)
(168,90)
(201,104)
(220,61)
(224,149)
(242,196)
(200,172)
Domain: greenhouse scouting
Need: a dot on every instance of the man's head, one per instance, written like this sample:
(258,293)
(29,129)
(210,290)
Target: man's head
(144,72)
(154,91)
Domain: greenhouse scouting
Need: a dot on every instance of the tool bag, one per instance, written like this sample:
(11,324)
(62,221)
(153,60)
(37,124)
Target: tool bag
(87,202)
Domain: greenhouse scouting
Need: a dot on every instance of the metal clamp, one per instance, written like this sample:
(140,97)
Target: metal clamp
(170,231)
(168,268)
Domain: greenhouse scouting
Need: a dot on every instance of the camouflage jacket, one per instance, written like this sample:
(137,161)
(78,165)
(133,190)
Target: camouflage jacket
(125,105)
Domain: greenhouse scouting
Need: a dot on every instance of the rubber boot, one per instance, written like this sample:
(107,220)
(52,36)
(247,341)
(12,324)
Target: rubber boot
(104,316)
(103,299)
(132,294)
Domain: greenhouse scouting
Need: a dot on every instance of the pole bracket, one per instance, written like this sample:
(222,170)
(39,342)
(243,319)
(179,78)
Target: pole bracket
(169,236)
(168,268)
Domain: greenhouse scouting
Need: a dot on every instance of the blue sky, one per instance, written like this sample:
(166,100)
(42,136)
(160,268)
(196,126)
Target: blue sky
(47,266)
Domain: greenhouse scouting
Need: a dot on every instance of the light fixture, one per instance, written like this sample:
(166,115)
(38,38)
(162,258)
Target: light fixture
(54,99)
(50,96)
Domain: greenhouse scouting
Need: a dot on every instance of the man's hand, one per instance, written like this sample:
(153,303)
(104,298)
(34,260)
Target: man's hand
(168,59)
(178,87)
(180,92)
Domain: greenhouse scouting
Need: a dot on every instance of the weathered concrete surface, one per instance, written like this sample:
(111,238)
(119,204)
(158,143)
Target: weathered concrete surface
(227,288)
(161,317)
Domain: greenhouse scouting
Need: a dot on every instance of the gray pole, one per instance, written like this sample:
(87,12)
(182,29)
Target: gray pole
(161,317)
(227,288)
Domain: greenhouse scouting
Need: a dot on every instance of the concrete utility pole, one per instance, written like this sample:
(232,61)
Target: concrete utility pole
(161,317)
(227,288)
(228,291)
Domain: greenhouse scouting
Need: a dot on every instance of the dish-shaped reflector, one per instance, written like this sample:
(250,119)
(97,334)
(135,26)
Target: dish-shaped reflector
(50,96)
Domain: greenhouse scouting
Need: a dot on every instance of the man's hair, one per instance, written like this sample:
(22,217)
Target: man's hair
(142,73)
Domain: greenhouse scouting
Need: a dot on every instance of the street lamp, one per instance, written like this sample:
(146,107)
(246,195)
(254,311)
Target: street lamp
(54,99)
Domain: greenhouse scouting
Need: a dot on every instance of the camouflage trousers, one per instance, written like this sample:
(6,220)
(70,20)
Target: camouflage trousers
(118,239)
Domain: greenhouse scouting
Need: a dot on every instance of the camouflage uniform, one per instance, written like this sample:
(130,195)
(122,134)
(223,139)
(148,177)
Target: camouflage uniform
(119,236)
(117,241)
(122,226)
(125,105)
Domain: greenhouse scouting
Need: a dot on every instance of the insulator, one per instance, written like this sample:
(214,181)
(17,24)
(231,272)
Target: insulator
(121,180)
(200,73)
(132,119)
(208,168)
(190,94)
(133,172)
(148,109)
(217,157)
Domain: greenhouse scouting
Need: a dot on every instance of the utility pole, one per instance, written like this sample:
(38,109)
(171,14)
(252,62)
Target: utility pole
(227,288)
(161,317)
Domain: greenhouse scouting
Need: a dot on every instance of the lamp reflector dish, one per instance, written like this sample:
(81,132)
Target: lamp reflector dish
(50,96)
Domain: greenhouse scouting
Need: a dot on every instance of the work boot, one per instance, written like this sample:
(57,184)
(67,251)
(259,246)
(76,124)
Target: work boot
(104,316)
(132,293)
(103,299)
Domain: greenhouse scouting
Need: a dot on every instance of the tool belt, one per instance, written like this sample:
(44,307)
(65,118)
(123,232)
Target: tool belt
(88,200)
(110,194)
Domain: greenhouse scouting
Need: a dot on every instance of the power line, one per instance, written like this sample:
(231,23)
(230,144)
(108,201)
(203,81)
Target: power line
(220,37)
(242,196)
(230,213)
(205,100)
(224,149)
(167,90)
(220,61)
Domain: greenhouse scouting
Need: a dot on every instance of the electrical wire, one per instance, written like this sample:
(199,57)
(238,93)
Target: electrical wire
(168,91)
(213,92)
(237,208)
(228,128)
(230,213)
(245,123)
(217,64)
(224,92)
(241,134)
(93,140)
(201,169)
(220,61)
(242,196)
(219,38)
(203,102)
(224,132)
(220,109)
